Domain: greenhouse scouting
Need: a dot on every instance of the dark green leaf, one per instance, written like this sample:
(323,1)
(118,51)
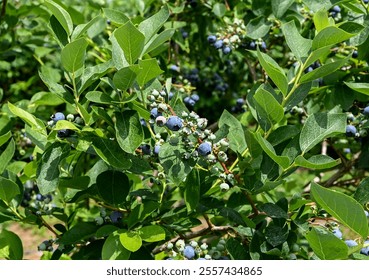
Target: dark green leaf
(236,250)
(273,210)
(362,192)
(113,187)
(99,97)
(81,231)
(192,190)
(113,248)
(125,78)
(73,55)
(329,36)
(149,69)
(276,235)
(11,246)
(8,190)
(359,87)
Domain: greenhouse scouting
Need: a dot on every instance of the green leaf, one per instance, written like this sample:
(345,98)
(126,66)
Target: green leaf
(158,40)
(319,126)
(282,161)
(321,20)
(82,28)
(149,69)
(92,74)
(283,133)
(59,31)
(175,166)
(28,118)
(359,87)
(130,40)
(273,210)
(280,7)
(4,138)
(276,235)
(316,55)
(115,16)
(125,77)
(274,71)
(78,183)
(11,246)
(79,232)
(130,240)
(317,162)
(192,190)
(236,249)
(8,190)
(113,248)
(219,9)
(73,55)
(149,27)
(61,15)
(152,233)
(129,130)
(323,70)
(235,135)
(98,97)
(330,36)
(298,95)
(343,207)
(299,46)
(48,168)
(268,109)
(6,156)
(141,212)
(113,187)
(64,124)
(110,152)
(362,192)
(257,28)
(118,57)
(326,245)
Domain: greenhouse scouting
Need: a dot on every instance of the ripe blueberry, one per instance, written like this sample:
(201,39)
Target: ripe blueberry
(336,9)
(350,130)
(63,133)
(366,111)
(365,250)
(154,113)
(115,216)
(226,50)
(350,243)
(195,97)
(146,150)
(204,149)
(156,149)
(218,44)
(58,117)
(174,123)
(337,233)
(355,54)
(189,252)
(212,39)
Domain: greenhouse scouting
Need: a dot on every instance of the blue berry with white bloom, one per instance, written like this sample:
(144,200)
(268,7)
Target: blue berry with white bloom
(218,44)
(350,130)
(366,111)
(226,50)
(212,39)
(189,252)
(204,149)
(365,250)
(154,113)
(350,243)
(58,117)
(174,123)
(337,233)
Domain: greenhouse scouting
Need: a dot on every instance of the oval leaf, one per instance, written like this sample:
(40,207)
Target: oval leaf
(73,55)
(113,186)
(152,233)
(130,240)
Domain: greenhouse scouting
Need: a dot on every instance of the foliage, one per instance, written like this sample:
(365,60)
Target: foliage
(185,129)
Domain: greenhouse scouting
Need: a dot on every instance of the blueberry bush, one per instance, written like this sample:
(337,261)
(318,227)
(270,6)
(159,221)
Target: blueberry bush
(185,129)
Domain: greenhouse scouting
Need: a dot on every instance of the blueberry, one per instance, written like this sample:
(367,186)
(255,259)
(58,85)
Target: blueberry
(204,149)
(212,39)
(218,44)
(170,95)
(146,150)
(115,217)
(337,233)
(347,150)
(63,133)
(366,111)
(195,97)
(184,34)
(188,101)
(156,149)
(58,117)
(39,197)
(252,45)
(154,113)
(355,54)
(240,102)
(108,21)
(350,243)
(174,123)
(226,50)
(366,1)
(350,130)
(309,69)
(365,250)
(174,68)
(336,9)
(263,46)
(189,252)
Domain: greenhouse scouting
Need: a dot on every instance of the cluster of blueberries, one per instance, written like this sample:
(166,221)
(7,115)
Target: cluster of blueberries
(63,133)
(219,44)
(32,197)
(115,217)
(334,11)
(252,45)
(191,100)
(195,251)
(351,130)
(239,107)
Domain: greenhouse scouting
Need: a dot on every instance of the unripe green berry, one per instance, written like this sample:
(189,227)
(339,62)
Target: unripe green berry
(170,246)
(193,243)
(204,246)
(224,187)
(70,117)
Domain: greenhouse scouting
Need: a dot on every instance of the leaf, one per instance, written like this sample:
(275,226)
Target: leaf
(298,95)
(4,138)
(330,36)
(343,207)
(280,7)
(321,20)
(276,235)
(115,16)
(299,46)
(268,109)
(321,53)
(6,156)
(158,40)
(27,118)
(11,246)
(282,161)
(82,28)
(362,192)
(283,133)
(73,55)
(113,187)
(129,130)
(92,74)
(257,28)
(48,168)
(273,210)
(326,245)
(149,27)
(176,167)
(236,249)
(235,135)
(8,190)
(359,87)
(274,71)
(141,212)
(59,31)
(79,182)
(98,97)
(113,248)
(61,15)
(152,233)
(64,124)
(118,57)
(323,70)
(149,69)
(125,77)
(319,126)
(192,190)
(317,162)
(219,9)
(130,240)
(79,232)
(130,40)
